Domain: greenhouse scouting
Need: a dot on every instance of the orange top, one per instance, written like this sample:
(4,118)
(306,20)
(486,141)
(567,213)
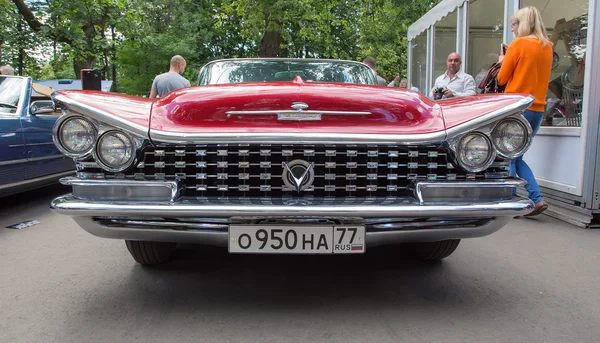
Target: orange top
(526,69)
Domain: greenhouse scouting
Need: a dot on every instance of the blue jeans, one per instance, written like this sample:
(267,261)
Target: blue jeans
(518,167)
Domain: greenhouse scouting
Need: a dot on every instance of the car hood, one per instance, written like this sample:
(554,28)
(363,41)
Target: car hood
(253,108)
(233,111)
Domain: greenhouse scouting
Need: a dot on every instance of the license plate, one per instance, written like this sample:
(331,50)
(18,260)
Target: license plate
(279,239)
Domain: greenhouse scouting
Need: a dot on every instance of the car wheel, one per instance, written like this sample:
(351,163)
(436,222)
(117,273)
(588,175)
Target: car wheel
(434,251)
(150,253)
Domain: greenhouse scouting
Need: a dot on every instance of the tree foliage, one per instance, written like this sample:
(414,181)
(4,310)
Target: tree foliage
(133,40)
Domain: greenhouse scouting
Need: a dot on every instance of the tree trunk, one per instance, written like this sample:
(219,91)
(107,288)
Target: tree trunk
(21,52)
(271,39)
(79,65)
(114,59)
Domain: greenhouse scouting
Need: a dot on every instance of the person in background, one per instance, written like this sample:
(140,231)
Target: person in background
(402,84)
(171,80)
(7,70)
(454,82)
(526,69)
(372,63)
(489,59)
(396,79)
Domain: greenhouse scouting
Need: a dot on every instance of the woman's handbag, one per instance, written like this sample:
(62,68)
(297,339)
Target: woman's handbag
(489,84)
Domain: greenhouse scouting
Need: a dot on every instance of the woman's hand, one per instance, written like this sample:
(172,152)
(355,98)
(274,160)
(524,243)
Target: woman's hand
(503,48)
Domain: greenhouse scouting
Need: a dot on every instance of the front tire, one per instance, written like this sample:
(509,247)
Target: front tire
(150,253)
(434,251)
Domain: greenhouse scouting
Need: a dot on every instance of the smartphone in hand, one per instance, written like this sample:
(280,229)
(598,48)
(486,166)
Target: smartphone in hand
(503,48)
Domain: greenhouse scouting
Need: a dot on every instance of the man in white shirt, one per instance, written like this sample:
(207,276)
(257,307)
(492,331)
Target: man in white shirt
(454,82)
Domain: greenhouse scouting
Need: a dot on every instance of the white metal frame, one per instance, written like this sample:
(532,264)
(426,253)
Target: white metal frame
(591,107)
(409,61)
(510,7)
(588,132)
(462,33)
(430,59)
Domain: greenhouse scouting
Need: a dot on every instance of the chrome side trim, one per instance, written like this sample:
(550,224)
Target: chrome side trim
(333,113)
(158,136)
(40,144)
(501,183)
(39,179)
(55,157)
(219,237)
(26,160)
(8,163)
(70,205)
(486,119)
(102,116)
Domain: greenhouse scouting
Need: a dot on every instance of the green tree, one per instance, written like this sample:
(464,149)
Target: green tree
(133,40)
(78,25)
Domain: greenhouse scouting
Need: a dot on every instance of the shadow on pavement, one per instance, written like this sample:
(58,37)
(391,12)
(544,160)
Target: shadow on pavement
(16,202)
(210,277)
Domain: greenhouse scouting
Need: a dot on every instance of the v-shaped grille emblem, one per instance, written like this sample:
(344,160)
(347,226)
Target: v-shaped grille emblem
(298,174)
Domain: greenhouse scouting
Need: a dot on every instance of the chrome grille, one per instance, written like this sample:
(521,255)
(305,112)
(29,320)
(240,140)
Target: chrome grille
(339,170)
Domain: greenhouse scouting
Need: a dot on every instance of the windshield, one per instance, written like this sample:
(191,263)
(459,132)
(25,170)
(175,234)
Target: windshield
(237,71)
(10,91)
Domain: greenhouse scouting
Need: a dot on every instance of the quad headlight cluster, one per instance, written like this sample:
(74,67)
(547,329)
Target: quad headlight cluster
(80,138)
(76,137)
(477,150)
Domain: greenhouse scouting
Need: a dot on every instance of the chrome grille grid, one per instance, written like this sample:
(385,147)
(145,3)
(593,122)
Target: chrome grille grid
(339,170)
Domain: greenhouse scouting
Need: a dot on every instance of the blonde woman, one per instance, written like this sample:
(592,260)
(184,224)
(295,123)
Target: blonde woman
(526,67)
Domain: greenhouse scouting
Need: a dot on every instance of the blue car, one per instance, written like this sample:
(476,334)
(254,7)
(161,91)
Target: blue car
(28,157)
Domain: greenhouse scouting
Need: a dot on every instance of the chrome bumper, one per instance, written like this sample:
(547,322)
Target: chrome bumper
(208,223)
(72,206)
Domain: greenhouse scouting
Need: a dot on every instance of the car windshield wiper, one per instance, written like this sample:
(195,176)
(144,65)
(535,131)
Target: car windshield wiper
(3,104)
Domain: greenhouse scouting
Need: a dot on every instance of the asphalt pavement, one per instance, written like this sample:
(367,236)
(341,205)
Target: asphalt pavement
(536,280)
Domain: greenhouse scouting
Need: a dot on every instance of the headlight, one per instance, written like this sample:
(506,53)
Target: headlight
(475,152)
(115,151)
(510,138)
(75,136)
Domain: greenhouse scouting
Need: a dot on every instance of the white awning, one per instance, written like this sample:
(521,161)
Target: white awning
(433,16)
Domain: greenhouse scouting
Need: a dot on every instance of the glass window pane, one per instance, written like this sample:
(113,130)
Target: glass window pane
(486,20)
(419,61)
(566,23)
(445,43)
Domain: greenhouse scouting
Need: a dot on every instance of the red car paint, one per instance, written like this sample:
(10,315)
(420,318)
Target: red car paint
(203,109)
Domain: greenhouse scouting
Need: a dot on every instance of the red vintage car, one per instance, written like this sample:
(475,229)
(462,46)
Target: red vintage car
(295,156)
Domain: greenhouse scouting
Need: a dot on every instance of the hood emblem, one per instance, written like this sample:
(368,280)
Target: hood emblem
(299,114)
(299,106)
(298,175)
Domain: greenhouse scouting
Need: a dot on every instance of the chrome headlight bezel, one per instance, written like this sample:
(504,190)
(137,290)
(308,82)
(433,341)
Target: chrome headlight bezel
(524,124)
(459,146)
(129,162)
(488,130)
(56,136)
